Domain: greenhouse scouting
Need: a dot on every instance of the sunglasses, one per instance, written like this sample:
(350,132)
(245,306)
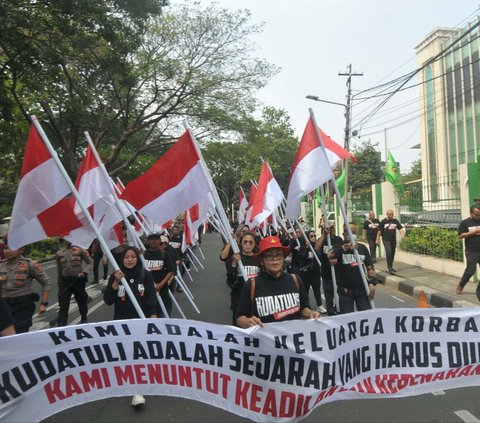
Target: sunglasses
(248,242)
(272,257)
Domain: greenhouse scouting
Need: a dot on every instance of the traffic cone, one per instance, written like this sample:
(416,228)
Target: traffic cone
(422,300)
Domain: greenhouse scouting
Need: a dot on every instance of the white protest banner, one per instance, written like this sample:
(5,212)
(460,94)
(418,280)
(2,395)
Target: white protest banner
(282,371)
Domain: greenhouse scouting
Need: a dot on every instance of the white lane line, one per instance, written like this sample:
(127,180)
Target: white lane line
(398,299)
(438,393)
(91,309)
(466,416)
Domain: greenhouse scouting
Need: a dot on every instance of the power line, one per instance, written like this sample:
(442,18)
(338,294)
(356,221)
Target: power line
(437,103)
(412,74)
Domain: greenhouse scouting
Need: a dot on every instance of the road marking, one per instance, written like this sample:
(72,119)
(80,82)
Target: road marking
(438,393)
(466,416)
(90,310)
(398,299)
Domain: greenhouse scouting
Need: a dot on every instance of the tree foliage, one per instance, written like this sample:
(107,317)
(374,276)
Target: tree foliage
(235,163)
(367,170)
(126,71)
(415,171)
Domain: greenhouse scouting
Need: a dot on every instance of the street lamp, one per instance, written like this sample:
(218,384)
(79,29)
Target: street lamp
(226,198)
(315,98)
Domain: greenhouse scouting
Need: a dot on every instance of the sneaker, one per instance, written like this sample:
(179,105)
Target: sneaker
(138,400)
(94,281)
(393,270)
(321,309)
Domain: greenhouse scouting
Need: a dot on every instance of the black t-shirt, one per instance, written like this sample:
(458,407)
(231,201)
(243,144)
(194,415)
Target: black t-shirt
(252,270)
(335,240)
(159,264)
(297,251)
(472,243)
(176,244)
(275,300)
(388,228)
(251,266)
(371,226)
(347,269)
(144,291)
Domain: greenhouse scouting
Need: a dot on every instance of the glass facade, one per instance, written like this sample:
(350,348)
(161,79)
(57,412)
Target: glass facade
(461,80)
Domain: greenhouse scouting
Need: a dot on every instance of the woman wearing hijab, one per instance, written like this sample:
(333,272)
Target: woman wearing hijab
(143,288)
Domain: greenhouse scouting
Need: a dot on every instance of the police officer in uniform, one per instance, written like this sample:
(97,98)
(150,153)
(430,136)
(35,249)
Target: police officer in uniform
(73,265)
(16,275)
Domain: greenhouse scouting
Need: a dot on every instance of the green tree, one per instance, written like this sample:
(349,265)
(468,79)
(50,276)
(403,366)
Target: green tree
(367,170)
(128,74)
(233,164)
(415,171)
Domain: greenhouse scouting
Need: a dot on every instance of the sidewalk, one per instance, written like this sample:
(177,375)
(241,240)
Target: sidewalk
(439,288)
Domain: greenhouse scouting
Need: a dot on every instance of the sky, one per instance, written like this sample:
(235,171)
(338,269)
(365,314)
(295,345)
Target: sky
(314,40)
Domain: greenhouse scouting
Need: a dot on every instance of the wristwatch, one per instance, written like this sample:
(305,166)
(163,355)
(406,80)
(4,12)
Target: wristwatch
(44,303)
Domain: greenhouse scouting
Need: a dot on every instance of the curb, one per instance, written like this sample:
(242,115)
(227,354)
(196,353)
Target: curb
(435,298)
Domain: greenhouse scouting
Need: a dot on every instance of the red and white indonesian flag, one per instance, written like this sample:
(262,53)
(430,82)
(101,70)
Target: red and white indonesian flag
(193,219)
(334,151)
(251,199)
(311,168)
(176,182)
(41,209)
(93,189)
(242,208)
(267,197)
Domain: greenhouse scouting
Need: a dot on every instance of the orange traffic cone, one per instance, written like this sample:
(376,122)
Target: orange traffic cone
(422,300)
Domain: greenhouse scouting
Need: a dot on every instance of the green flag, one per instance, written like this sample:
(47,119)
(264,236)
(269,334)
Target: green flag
(341,188)
(341,183)
(392,173)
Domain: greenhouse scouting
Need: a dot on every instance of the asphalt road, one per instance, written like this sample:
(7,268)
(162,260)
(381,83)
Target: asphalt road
(212,298)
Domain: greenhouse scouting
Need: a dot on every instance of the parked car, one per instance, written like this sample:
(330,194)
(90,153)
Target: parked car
(409,220)
(445,218)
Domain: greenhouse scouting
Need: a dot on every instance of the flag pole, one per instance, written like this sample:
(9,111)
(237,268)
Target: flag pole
(134,212)
(128,226)
(218,203)
(192,254)
(130,208)
(85,212)
(329,243)
(344,213)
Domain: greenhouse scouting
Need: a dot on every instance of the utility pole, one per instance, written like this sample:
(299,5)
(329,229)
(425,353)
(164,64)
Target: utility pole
(348,107)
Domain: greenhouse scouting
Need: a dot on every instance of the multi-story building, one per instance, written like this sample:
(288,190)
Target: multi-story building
(449,84)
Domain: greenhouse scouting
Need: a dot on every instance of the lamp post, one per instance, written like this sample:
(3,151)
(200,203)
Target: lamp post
(226,198)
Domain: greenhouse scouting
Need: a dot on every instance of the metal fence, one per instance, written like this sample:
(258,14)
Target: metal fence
(362,203)
(430,212)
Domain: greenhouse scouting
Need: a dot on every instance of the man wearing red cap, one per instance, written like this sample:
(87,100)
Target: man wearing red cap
(274,295)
